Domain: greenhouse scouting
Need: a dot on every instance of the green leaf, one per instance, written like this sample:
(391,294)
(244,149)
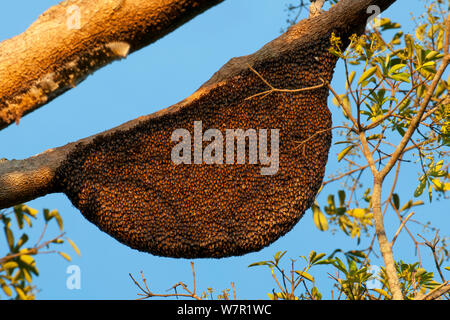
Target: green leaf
(344,152)
(7,290)
(27,275)
(272,297)
(341,194)
(9,237)
(278,256)
(411,204)
(20,293)
(340,265)
(430,192)
(396,200)
(319,218)
(432,55)
(312,255)
(396,67)
(409,41)
(350,79)
(383,293)
(325,261)
(48,215)
(23,239)
(19,218)
(305,275)
(74,246)
(260,263)
(315,292)
(402,77)
(357,213)
(317,258)
(367,74)
(356,253)
(9,265)
(65,256)
(421,187)
(27,220)
(27,259)
(30,211)
(420,32)
(58,219)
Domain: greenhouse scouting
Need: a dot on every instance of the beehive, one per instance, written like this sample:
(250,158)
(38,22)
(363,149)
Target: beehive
(127,185)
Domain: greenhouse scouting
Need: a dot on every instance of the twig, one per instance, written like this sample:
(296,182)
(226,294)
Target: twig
(193,276)
(432,245)
(31,251)
(234,291)
(273,89)
(146,293)
(401,227)
(367,166)
(300,143)
(416,243)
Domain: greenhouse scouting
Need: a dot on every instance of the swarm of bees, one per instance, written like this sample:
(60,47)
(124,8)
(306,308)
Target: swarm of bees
(127,184)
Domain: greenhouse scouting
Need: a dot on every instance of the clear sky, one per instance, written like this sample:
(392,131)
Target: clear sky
(156,77)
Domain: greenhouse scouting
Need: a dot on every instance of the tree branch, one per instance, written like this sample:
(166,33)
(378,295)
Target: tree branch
(75,38)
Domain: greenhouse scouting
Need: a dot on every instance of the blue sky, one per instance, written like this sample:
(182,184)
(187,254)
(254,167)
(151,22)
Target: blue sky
(154,78)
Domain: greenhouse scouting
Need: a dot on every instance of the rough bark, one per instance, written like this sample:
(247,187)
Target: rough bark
(61,48)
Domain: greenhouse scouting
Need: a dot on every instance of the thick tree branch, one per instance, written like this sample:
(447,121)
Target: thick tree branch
(24,180)
(75,38)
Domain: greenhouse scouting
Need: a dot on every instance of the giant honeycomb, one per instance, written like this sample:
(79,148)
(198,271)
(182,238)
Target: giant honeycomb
(127,185)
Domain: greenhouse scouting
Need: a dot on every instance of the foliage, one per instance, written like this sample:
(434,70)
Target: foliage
(354,279)
(18,266)
(388,84)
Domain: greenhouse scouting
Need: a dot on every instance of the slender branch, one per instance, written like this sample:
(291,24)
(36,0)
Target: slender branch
(303,142)
(401,227)
(31,251)
(193,277)
(367,165)
(146,293)
(273,89)
(234,291)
